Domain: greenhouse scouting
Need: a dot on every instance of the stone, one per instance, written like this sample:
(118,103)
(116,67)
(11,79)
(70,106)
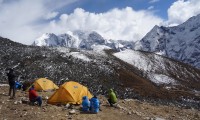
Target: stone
(46,98)
(20,102)
(67,106)
(72,111)
(129,113)
(157,118)
(15,102)
(69,117)
(147,118)
(118,106)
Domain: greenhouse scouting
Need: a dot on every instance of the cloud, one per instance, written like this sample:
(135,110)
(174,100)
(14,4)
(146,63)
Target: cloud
(22,26)
(20,19)
(182,10)
(25,20)
(150,7)
(51,15)
(153,1)
(125,24)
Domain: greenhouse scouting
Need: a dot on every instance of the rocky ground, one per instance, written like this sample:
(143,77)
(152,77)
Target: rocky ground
(125,109)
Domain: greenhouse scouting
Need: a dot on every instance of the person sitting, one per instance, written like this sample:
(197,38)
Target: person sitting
(94,104)
(112,98)
(85,104)
(33,96)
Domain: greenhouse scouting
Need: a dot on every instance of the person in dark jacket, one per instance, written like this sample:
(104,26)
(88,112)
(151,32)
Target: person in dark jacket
(11,80)
(112,98)
(33,96)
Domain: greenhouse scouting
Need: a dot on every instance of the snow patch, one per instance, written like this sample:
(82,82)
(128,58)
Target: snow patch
(134,58)
(100,48)
(1,85)
(161,79)
(80,56)
(143,63)
(63,49)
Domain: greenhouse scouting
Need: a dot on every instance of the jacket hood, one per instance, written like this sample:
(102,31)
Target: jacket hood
(85,97)
(111,90)
(31,89)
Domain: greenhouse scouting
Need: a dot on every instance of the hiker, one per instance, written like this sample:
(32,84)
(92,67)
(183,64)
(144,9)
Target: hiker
(11,80)
(33,96)
(112,99)
(94,104)
(85,104)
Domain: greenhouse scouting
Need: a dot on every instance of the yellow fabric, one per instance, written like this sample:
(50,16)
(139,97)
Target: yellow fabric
(69,92)
(44,84)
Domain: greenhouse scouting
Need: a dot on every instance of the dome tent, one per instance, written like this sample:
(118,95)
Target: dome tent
(44,84)
(70,92)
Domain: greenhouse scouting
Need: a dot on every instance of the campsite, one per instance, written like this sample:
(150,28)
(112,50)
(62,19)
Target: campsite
(129,109)
(99,60)
(139,97)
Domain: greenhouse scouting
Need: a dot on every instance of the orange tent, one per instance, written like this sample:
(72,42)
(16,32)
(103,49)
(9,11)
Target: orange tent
(69,92)
(44,84)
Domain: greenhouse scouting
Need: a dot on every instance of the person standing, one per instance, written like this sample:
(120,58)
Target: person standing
(11,80)
(112,98)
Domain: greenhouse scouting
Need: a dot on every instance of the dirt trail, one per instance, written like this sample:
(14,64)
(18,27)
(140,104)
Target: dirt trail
(128,109)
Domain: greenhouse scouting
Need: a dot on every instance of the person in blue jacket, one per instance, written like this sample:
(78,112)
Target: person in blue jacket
(85,104)
(95,105)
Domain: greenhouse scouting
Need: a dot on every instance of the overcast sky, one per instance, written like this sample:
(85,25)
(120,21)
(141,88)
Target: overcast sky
(25,20)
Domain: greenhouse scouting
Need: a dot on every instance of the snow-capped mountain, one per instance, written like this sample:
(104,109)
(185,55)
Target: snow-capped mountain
(181,42)
(80,40)
(50,39)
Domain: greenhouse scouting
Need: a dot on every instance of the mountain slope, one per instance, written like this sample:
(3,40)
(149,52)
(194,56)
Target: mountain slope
(102,70)
(181,42)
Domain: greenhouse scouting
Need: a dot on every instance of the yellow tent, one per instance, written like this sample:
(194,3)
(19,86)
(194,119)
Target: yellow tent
(69,92)
(44,84)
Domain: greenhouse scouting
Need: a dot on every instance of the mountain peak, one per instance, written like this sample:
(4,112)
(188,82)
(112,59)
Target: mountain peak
(180,42)
(47,39)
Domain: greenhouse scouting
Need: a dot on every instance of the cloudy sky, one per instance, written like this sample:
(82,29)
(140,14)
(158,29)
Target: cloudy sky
(25,20)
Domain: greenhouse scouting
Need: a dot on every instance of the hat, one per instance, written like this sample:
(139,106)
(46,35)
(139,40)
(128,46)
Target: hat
(84,97)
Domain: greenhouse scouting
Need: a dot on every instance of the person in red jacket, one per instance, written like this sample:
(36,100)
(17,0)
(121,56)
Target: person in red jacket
(33,96)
